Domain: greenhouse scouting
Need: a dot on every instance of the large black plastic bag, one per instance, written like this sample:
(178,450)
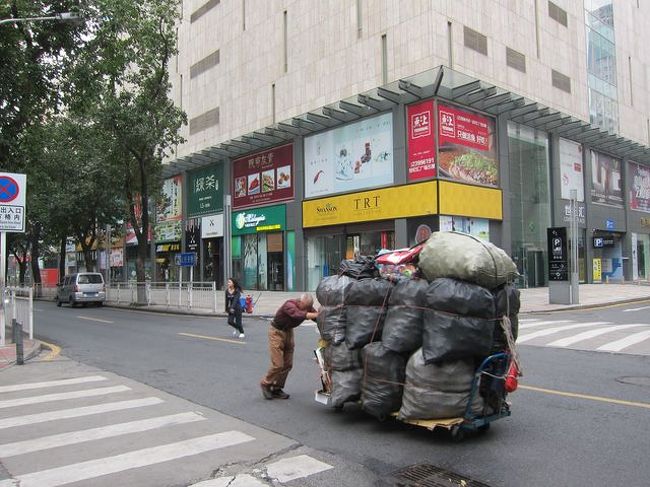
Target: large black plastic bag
(366,302)
(449,337)
(360,268)
(382,385)
(463,256)
(403,323)
(459,321)
(341,358)
(346,386)
(331,320)
(438,391)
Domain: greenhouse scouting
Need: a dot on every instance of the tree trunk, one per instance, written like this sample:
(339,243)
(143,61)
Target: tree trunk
(36,253)
(22,270)
(62,255)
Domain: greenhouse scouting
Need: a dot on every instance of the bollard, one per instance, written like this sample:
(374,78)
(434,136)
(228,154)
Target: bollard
(18,340)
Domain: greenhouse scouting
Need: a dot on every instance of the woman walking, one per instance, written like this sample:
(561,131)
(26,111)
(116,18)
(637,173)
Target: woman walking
(233,307)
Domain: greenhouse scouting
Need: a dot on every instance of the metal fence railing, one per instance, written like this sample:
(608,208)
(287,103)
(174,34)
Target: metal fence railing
(18,305)
(188,296)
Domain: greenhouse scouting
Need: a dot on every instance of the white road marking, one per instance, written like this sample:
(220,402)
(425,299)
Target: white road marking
(244,480)
(91,469)
(626,342)
(10,403)
(99,320)
(557,329)
(542,323)
(295,468)
(30,419)
(51,383)
(82,436)
(636,309)
(565,342)
(9,483)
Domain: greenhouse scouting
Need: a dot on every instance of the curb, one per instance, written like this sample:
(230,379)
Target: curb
(27,355)
(174,311)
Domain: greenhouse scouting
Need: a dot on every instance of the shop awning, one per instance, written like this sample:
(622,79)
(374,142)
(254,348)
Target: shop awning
(441,81)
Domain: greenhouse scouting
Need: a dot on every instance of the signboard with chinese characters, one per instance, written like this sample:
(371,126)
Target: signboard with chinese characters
(467,147)
(581,211)
(421,141)
(205,191)
(170,231)
(606,182)
(558,257)
(597,266)
(571,173)
(13,191)
(263,178)
(639,196)
(169,208)
(268,219)
(356,156)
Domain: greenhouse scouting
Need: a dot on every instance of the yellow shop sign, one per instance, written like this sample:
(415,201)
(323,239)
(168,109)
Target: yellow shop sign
(379,204)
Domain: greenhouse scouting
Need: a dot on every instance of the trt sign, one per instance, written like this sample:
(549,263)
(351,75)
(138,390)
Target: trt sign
(13,191)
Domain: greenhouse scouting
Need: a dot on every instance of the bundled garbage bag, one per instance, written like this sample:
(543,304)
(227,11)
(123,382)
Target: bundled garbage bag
(459,321)
(437,391)
(403,323)
(507,303)
(463,256)
(331,320)
(341,358)
(382,385)
(331,290)
(362,267)
(346,386)
(366,302)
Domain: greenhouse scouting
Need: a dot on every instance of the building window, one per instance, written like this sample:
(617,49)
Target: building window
(558,14)
(204,121)
(515,60)
(204,64)
(285,42)
(561,81)
(203,9)
(384,60)
(475,40)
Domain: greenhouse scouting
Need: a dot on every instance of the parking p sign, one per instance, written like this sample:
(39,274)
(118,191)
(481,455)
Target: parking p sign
(13,189)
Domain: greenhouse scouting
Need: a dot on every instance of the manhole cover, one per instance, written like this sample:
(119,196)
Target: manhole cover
(431,476)
(635,381)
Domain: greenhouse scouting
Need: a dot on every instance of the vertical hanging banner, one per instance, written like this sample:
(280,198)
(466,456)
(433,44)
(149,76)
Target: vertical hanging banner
(572,176)
(639,187)
(421,141)
(13,192)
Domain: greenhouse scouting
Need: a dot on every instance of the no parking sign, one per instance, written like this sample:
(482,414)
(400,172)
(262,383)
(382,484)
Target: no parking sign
(13,189)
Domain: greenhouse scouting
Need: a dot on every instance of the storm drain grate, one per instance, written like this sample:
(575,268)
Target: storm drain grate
(431,476)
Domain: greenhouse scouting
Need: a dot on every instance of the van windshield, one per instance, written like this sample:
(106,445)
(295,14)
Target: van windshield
(90,279)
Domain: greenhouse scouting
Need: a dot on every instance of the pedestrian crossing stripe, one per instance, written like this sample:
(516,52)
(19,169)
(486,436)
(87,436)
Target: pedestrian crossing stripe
(62,396)
(556,329)
(626,342)
(87,470)
(51,383)
(586,335)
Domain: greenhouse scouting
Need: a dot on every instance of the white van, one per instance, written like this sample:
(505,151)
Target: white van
(82,288)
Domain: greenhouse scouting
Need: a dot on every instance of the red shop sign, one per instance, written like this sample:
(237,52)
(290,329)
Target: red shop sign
(264,177)
(463,128)
(421,141)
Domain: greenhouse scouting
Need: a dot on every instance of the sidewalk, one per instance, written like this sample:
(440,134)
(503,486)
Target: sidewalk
(31,348)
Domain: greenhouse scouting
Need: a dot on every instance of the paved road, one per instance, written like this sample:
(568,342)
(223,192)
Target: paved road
(581,418)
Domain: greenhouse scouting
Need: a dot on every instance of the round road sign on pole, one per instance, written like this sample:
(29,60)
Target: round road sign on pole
(9,189)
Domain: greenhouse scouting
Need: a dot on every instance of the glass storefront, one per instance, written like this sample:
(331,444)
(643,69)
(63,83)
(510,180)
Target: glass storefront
(325,253)
(212,261)
(643,256)
(259,261)
(530,202)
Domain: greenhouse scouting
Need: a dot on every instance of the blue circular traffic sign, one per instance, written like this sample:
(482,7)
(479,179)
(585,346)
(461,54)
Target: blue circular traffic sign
(9,189)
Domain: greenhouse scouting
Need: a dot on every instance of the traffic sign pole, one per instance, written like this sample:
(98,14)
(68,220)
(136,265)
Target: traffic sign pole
(3,266)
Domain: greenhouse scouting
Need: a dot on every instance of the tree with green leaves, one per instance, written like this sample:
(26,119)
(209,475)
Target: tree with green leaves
(120,81)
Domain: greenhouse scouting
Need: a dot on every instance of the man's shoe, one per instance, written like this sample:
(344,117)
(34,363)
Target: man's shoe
(267,392)
(280,394)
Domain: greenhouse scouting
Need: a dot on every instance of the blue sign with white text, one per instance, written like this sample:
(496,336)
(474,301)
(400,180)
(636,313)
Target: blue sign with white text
(186,259)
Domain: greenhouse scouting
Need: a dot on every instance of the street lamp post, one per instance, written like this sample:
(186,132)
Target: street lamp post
(62,17)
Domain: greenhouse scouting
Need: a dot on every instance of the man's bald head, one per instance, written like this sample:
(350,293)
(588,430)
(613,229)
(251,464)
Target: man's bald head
(306,301)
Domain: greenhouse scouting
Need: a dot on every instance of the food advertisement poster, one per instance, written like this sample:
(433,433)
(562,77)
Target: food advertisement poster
(356,156)
(467,151)
(421,141)
(572,174)
(639,187)
(606,183)
(264,177)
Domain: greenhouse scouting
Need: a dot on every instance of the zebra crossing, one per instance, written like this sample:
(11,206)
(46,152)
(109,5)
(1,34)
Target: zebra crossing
(602,336)
(69,430)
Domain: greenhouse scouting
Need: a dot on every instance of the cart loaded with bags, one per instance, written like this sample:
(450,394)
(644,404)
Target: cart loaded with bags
(425,335)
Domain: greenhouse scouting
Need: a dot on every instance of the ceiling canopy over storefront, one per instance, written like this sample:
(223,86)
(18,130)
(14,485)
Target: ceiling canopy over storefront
(441,81)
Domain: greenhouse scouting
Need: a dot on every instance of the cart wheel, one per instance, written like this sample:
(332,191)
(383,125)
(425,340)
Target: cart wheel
(457,434)
(382,417)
